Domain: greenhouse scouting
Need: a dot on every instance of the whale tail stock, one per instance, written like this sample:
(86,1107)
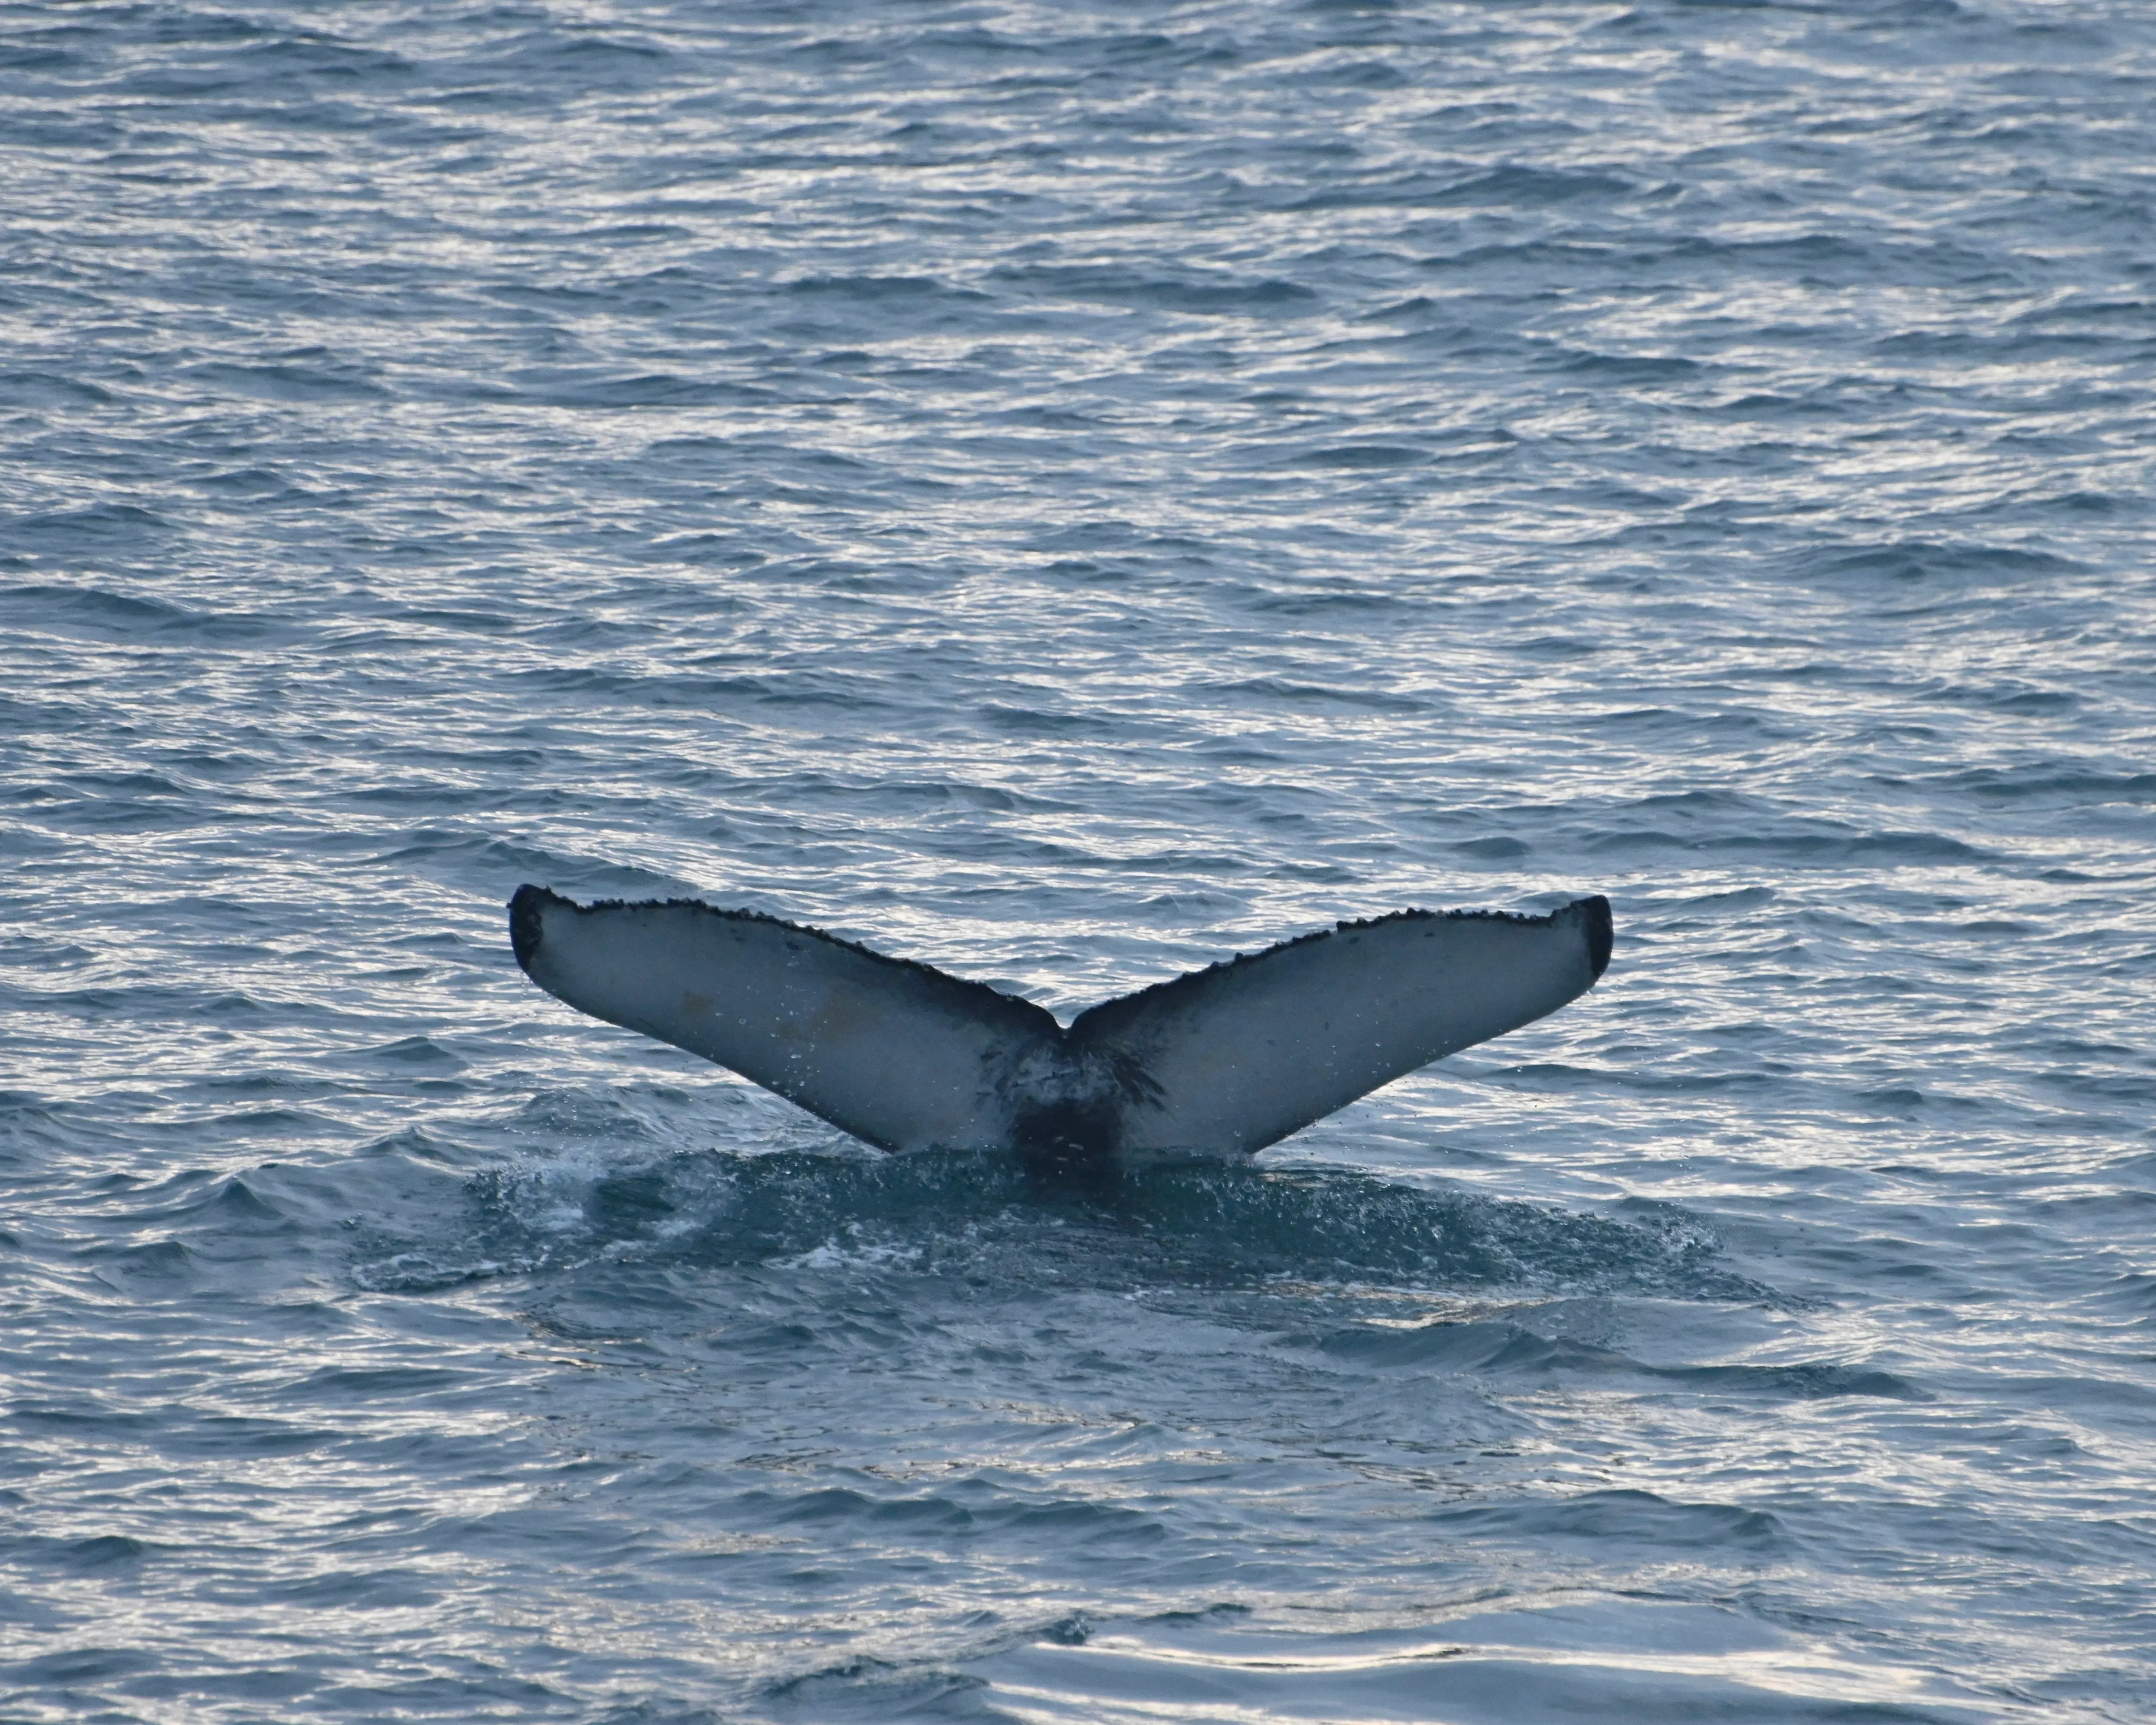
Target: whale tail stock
(1233,1058)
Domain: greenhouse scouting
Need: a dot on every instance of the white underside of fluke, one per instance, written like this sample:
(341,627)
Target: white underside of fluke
(1225,1059)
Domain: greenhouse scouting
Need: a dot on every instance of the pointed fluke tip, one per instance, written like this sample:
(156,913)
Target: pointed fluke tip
(526,923)
(1601,934)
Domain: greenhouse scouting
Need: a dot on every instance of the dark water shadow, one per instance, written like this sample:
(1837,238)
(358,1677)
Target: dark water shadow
(1193,1224)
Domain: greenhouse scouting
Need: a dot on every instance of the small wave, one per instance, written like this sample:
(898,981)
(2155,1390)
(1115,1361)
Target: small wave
(289,380)
(1503,1348)
(1192,294)
(1634,1518)
(1536,188)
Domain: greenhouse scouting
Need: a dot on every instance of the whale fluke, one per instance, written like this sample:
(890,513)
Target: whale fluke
(1233,1058)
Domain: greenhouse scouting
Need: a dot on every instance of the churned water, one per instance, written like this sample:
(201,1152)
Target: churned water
(1069,492)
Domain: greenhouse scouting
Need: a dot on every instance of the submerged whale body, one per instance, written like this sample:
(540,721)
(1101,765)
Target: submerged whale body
(1230,1059)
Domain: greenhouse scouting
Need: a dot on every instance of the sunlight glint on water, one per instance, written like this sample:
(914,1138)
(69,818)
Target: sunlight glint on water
(1069,494)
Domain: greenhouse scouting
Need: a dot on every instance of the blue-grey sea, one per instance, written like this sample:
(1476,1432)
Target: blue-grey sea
(1069,492)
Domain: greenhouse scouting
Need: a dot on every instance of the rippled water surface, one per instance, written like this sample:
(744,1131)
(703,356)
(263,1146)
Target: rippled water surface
(1068,493)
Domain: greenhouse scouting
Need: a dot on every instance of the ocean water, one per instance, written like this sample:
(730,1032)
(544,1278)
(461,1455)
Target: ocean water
(1069,492)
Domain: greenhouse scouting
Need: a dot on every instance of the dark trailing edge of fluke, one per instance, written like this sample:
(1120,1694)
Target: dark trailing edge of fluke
(1601,933)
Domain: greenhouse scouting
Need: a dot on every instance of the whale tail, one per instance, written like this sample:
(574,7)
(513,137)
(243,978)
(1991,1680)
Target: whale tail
(1233,1058)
